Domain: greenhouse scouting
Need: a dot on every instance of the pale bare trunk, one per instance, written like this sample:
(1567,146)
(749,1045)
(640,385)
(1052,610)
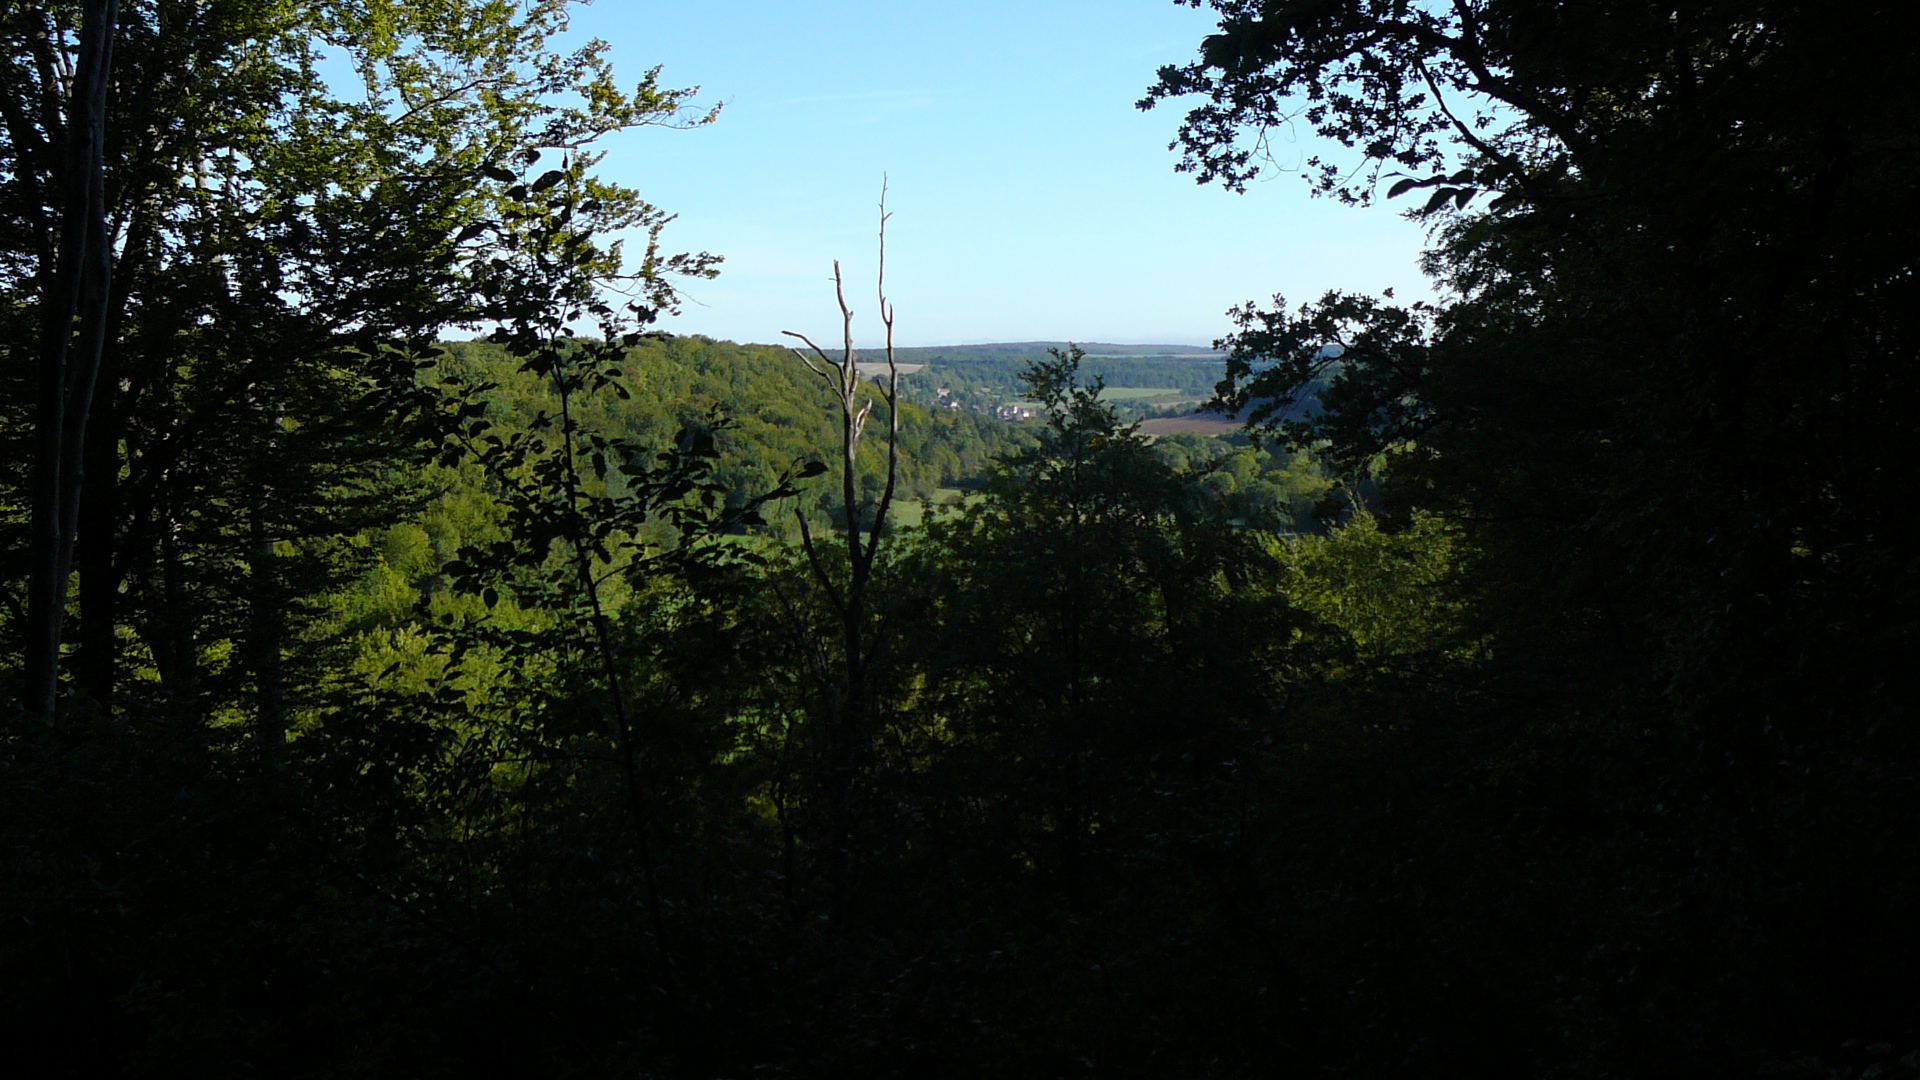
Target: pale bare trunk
(847,704)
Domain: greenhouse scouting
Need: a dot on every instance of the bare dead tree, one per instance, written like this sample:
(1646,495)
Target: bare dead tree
(848,702)
(75,291)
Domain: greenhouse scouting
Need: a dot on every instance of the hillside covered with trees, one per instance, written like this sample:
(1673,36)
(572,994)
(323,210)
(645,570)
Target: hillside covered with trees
(420,664)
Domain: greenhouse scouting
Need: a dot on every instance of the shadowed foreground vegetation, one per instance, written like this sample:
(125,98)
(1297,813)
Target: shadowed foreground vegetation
(1539,703)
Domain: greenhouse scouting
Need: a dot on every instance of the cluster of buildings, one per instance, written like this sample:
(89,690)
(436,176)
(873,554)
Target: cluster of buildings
(944,398)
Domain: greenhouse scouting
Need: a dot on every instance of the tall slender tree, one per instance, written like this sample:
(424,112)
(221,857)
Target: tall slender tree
(847,701)
(74,288)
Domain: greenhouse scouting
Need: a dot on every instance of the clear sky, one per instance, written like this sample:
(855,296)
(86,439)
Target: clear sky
(1031,200)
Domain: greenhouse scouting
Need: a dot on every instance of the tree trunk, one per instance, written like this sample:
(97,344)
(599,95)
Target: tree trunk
(77,289)
(99,549)
(847,705)
(94,551)
(170,632)
(266,630)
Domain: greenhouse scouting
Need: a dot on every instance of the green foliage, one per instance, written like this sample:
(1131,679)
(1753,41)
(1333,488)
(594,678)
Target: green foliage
(777,414)
(1397,595)
(1261,486)
(1649,407)
(289,250)
(1528,695)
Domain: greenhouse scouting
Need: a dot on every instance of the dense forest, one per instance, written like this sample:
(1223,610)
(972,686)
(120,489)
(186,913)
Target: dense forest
(421,664)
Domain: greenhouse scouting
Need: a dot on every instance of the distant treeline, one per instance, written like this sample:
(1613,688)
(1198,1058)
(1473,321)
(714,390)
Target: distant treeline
(982,376)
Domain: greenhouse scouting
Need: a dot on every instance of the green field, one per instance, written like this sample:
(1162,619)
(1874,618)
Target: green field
(911,513)
(1143,393)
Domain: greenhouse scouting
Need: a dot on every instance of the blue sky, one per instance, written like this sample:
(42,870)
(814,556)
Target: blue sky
(1031,200)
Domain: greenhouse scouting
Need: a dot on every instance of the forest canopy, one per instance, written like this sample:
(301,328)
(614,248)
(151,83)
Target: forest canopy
(420,663)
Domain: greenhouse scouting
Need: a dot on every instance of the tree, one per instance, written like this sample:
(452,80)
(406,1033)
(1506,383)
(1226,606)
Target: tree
(1698,168)
(283,255)
(581,509)
(847,703)
(74,286)
(1665,396)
